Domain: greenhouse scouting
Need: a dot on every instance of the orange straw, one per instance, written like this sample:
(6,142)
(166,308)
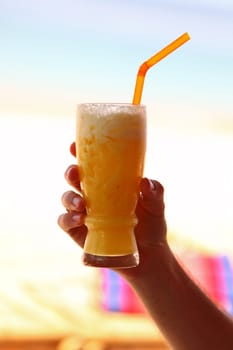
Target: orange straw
(152,61)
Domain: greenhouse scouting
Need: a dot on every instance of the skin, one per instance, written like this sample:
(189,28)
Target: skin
(188,319)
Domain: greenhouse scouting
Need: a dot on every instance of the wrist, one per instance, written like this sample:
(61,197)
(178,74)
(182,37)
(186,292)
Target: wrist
(155,261)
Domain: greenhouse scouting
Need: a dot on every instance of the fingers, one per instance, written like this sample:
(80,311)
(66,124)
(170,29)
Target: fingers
(79,235)
(76,212)
(151,199)
(72,222)
(152,189)
(72,176)
(72,172)
(73,149)
(151,229)
(73,202)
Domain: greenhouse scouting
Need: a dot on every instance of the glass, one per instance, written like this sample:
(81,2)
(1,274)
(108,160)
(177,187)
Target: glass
(110,145)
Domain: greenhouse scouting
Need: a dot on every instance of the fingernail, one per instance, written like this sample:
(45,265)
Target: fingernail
(76,218)
(152,186)
(76,202)
(147,185)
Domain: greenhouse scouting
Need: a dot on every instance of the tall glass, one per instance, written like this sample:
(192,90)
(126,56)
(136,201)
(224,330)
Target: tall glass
(111,144)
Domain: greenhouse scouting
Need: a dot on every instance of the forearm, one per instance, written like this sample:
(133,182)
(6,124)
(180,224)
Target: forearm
(186,317)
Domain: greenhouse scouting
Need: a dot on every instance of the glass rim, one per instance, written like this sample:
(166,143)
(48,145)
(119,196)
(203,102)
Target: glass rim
(108,104)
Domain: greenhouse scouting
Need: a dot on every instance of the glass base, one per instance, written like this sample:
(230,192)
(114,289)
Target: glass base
(116,262)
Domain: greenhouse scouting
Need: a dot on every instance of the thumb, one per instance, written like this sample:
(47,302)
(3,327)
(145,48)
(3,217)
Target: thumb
(152,197)
(147,187)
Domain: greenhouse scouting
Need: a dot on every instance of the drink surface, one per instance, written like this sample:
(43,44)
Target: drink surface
(110,149)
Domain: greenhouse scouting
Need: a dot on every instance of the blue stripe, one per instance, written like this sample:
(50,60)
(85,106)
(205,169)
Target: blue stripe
(229,281)
(114,291)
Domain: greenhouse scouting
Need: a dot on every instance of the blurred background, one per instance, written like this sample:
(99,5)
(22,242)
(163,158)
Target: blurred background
(55,54)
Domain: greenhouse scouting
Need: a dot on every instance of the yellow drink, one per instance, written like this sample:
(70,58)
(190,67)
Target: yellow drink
(111,142)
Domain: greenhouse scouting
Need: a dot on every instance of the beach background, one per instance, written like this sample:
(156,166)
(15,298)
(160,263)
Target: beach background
(57,54)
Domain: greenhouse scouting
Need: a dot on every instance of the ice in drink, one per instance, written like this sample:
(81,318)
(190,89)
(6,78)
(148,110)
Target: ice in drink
(111,142)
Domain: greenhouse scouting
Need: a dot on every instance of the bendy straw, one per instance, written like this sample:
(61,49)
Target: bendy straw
(152,61)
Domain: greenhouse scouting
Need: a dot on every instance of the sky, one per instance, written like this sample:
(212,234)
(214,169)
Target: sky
(55,54)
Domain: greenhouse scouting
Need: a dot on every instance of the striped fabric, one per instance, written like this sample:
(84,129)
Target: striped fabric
(214,274)
(117,294)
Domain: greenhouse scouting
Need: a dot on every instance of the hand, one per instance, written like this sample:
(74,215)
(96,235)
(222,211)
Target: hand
(151,228)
